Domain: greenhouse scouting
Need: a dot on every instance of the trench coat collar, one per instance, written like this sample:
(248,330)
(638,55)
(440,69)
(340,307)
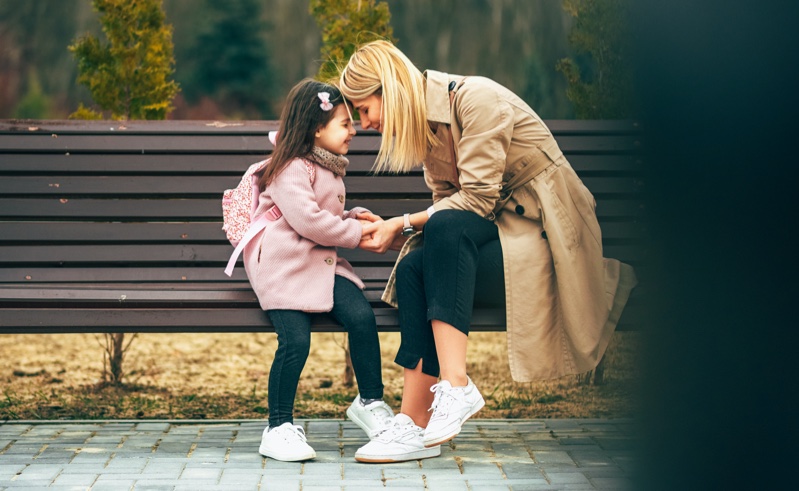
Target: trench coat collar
(437,97)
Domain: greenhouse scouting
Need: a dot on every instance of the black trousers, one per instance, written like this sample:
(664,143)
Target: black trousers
(293,328)
(459,266)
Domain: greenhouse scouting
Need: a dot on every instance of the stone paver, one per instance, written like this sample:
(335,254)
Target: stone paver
(512,455)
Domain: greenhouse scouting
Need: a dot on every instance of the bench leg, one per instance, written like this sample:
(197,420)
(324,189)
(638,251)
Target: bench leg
(599,372)
(595,376)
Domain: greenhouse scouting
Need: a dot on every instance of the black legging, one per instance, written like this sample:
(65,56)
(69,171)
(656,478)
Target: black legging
(438,282)
(293,328)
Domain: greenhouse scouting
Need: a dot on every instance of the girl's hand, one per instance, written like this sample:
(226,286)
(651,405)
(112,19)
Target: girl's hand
(384,235)
(368,229)
(369,216)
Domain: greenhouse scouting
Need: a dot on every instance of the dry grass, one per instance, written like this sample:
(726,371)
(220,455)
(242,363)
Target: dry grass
(225,376)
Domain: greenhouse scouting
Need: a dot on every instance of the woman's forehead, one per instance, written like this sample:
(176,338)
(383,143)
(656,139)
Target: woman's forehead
(368,100)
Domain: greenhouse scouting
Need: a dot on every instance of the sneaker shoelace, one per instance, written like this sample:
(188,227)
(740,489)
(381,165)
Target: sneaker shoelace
(291,433)
(383,415)
(442,402)
(391,431)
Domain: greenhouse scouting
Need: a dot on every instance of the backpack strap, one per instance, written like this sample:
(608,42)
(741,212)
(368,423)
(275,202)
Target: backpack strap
(269,215)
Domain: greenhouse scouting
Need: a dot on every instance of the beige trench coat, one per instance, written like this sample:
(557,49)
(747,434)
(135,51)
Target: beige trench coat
(563,299)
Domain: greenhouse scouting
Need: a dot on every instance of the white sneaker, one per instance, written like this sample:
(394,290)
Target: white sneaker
(451,407)
(371,418)
(400,441)
(287,443)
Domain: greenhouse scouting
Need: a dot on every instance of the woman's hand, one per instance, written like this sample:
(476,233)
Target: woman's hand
(398,243)
(384,235)
(368,229)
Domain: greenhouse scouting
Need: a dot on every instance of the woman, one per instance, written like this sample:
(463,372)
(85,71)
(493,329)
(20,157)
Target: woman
(509,214)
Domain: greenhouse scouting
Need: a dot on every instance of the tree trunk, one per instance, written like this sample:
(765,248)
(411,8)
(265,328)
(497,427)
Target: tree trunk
(349,374)
(116,356)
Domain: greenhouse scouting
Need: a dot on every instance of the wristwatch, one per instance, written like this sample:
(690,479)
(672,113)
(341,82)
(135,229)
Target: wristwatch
(407,228)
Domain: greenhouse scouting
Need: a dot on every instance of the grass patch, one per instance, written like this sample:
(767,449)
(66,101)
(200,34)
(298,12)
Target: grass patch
(225,376)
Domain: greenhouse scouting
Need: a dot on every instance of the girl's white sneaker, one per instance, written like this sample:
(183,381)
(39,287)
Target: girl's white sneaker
(371,418)
(398,442)
(287,443)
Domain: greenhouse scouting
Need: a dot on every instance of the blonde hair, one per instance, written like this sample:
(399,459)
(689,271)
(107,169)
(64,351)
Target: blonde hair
(380,68)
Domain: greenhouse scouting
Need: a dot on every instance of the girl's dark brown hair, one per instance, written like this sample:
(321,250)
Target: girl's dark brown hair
(301,117)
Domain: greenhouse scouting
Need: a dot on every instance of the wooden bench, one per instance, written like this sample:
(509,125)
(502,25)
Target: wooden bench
(116,226)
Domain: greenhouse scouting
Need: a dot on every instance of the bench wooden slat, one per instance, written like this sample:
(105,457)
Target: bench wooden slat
(200,186)
(149,320)
(144,254)
(153,276)
(186,319)
(177,127)
(259,127)
(156,143)
(209,294)
(140,254)
(185,186)
(109,232)
(104,164)
(245,144)
(100,320)
(189,232)
(209,209)
(138,295)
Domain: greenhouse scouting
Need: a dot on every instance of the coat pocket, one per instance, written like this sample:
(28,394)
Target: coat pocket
(557,217)
(584,205)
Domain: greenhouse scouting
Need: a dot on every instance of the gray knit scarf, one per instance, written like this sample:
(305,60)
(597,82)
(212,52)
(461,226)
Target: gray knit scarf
(337,164)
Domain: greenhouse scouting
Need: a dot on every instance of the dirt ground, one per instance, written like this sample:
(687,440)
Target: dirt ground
(195,376)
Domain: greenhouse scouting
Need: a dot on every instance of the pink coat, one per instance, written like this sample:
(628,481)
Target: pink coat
(293,262)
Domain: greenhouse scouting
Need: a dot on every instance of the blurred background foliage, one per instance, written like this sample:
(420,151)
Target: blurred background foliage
(129,71)
(344,25)
(237,59)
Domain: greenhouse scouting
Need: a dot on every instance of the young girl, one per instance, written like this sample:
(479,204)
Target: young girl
(295,270)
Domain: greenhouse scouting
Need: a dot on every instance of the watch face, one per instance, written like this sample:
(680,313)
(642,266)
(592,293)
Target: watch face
(407,232)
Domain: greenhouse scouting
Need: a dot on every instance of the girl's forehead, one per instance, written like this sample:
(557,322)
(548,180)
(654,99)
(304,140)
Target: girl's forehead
(347,109)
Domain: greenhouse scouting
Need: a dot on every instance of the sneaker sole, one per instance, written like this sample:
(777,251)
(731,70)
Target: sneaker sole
(425,453)
(275,456)
(450,436)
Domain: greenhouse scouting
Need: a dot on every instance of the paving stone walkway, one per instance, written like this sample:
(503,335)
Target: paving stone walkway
(559,454)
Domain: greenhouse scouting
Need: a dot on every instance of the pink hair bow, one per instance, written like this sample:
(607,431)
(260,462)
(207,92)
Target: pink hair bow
(326,105)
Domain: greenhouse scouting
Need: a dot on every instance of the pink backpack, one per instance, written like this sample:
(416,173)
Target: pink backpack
(240,204)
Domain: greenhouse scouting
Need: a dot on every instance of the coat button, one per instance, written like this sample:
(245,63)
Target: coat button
(519,210)
(544,235)
(341,198)
(329,260)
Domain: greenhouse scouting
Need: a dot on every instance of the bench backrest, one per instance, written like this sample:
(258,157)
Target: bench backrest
(131,202)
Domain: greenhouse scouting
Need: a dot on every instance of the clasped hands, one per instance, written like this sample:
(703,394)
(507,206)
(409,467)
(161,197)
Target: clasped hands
(380,235)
